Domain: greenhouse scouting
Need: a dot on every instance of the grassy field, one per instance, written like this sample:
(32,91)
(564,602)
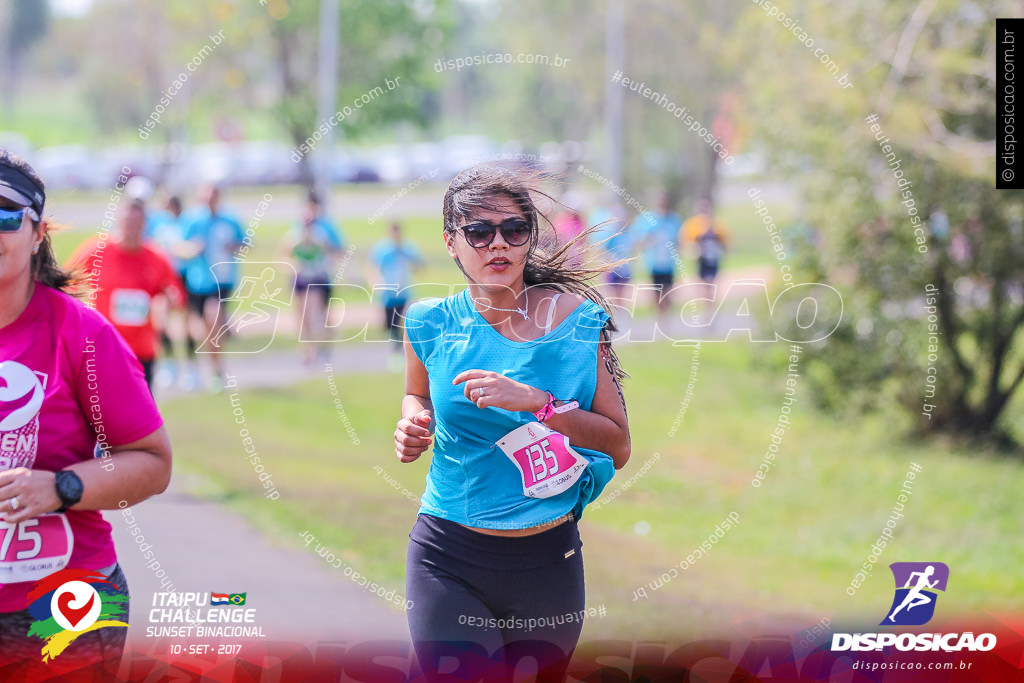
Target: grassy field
(801,536)
(750,244)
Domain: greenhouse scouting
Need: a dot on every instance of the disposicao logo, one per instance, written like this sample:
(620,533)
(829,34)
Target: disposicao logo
(914,605)
(71,602)
(916,586)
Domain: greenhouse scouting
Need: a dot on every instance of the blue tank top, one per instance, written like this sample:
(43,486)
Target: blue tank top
(471,481)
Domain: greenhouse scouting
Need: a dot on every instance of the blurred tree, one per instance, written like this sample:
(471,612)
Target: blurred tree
(122,63)
(380,43)
(679,51)
(261,78)
(685,52)
(27,22)
(926,253)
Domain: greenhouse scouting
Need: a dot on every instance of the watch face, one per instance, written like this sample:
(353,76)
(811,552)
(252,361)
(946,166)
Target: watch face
(69,487)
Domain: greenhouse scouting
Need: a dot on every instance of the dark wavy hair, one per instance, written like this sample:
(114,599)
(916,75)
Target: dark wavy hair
(45,267)
(569,267)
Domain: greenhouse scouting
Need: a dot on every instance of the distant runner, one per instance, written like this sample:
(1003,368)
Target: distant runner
(127,276)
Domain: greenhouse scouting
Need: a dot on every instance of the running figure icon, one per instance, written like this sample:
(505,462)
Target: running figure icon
(256,303)
(915,597)
(917,584)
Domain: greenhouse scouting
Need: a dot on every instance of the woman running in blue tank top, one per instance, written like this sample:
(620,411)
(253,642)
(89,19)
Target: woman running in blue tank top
(515,384)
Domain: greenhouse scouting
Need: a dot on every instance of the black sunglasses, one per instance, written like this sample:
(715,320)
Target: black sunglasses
(480,234)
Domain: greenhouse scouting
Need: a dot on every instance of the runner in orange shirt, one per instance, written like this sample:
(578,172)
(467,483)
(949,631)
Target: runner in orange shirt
(123,276)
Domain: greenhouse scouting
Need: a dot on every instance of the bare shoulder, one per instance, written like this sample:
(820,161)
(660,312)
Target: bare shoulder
(565,304)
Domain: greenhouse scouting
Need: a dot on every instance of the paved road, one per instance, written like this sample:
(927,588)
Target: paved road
(204,548)
(269,369)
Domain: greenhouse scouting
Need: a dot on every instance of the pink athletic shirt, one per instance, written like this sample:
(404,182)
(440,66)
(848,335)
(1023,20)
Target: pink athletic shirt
(67,382)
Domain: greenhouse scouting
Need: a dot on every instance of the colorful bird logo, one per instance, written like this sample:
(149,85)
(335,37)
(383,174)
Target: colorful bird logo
(71,602)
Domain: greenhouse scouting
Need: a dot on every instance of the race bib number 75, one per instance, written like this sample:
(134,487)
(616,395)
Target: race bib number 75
(546,461)
(35,548)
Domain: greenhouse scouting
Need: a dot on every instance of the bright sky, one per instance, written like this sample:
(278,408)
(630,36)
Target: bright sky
(72,8)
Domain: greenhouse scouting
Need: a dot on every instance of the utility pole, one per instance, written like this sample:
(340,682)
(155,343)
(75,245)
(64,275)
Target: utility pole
(327,94)
(615,59)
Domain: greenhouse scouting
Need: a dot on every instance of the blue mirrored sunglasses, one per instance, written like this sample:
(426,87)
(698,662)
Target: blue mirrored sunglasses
(10,220)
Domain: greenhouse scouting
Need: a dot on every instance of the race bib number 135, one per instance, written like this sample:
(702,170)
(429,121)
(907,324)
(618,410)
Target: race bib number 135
(546,461)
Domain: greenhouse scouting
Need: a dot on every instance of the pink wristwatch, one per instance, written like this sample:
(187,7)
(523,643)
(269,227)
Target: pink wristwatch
(550,409)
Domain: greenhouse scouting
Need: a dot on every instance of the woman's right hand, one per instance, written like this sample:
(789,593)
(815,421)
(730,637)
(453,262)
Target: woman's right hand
(412,436)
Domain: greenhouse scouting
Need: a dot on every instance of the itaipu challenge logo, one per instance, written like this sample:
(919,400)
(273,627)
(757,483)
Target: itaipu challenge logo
(70,603)
(917,584)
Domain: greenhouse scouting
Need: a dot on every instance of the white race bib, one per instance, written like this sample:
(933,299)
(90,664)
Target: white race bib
(546,461)
(129,307)
(35,548)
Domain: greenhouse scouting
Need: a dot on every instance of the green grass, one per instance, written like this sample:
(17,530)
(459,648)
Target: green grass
(62,111)
(802,535)
(40,122)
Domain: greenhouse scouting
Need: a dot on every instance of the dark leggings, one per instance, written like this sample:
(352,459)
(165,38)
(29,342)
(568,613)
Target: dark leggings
(147,372)
(484,606)
(393,320)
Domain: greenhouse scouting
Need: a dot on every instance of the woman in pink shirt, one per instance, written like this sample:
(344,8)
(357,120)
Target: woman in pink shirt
(568,226)
(79,433)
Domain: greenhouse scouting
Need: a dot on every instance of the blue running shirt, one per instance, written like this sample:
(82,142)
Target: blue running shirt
(471,481)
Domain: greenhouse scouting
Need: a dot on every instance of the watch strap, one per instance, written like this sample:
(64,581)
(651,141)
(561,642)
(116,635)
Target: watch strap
(550,408)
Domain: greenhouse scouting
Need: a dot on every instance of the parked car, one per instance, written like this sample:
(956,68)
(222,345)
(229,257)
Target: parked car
(140,161)
(462,151)
(210,163)
(262,163)
(348,169)
(70,167)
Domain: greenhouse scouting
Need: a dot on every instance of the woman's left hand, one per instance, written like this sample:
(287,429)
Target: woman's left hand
(26,493)
(486,388)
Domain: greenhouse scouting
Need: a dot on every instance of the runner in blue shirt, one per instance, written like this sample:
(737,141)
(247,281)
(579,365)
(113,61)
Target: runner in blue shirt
(329,233)
(166,230)
(657,234)
(617,241)
(514,383)
(395,258)
(212,274)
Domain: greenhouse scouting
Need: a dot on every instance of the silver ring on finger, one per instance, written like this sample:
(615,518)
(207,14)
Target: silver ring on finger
(14,503)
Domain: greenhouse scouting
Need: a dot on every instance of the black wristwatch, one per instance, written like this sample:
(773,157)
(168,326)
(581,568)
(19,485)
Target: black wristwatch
(69,489)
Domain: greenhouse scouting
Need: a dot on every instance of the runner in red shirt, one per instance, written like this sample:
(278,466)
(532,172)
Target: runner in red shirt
(123,276)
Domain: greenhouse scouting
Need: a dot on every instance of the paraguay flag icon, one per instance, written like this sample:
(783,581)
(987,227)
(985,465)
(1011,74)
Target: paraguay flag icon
(227,599)
(917,584)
